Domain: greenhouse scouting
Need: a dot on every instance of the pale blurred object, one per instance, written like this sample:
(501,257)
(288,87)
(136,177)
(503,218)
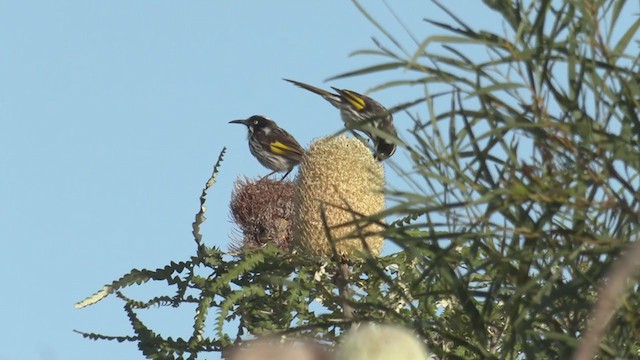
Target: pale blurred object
(273,349)
(381,342)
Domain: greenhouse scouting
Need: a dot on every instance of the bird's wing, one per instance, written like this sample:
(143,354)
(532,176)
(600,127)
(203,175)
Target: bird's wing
(282,143)
(359,102)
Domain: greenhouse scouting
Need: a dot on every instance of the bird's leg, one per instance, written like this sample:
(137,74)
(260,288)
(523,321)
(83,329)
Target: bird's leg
(269,174)
(359,137)
(365,141)
(285,175)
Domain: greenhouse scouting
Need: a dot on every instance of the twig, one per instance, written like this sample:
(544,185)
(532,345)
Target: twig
(342,276)
(616,284)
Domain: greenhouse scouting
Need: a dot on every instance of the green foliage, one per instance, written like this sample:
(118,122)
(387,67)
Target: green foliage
(523,191)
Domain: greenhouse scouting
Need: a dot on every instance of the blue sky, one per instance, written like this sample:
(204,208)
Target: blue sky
(112,114)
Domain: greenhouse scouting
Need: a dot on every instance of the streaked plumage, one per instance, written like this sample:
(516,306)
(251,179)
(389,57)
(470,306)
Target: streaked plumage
(274,148)
(356,109)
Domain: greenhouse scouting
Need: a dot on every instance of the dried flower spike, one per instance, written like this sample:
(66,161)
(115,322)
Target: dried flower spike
(263,210)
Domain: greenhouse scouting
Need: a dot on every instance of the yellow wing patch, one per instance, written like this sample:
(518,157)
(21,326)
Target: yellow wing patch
(279,148)
(353,99)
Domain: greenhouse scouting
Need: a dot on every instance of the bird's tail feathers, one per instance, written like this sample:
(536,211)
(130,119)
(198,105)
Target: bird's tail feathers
(334,99)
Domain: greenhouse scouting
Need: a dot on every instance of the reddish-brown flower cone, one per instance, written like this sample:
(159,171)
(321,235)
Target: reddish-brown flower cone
(263,211)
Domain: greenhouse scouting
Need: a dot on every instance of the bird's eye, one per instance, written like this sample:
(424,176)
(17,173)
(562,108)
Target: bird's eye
(255,122)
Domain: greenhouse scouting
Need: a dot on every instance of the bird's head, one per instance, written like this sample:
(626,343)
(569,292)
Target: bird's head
(255,123)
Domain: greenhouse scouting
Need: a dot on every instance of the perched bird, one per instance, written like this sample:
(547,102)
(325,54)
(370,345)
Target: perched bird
(358,109)
(274,148)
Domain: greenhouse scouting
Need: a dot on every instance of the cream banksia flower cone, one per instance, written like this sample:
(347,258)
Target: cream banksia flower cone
(336,174)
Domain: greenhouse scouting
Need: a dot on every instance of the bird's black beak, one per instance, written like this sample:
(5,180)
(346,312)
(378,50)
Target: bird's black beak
(243,122)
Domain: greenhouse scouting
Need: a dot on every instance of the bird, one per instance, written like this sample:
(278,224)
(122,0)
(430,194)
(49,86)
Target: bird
(274,148)
(356,109)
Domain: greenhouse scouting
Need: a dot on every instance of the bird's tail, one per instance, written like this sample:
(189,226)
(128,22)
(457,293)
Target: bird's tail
(334,99)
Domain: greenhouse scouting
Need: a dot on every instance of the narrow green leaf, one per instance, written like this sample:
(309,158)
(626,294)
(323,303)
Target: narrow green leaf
(629,35)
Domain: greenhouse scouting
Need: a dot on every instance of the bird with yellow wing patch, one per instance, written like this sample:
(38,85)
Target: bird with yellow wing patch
(274,148)
(357,109)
